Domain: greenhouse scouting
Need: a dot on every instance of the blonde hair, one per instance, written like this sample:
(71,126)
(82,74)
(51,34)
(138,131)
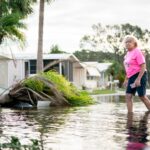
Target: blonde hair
(131,37)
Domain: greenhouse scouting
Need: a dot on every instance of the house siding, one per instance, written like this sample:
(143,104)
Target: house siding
(79,77)
(3,74)
(16,71)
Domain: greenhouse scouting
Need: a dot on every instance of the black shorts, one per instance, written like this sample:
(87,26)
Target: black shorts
(141,90)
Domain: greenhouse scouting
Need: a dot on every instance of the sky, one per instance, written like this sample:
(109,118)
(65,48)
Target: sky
(67,21)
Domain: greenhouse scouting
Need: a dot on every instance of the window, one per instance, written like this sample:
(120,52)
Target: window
(32,66)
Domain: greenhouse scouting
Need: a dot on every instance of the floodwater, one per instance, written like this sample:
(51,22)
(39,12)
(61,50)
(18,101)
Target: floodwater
(104,126)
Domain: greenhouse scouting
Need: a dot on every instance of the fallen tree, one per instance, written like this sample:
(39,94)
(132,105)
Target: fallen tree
(49,86)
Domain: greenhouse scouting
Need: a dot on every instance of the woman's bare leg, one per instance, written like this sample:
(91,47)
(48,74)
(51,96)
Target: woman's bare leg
(129,102)
(146,101)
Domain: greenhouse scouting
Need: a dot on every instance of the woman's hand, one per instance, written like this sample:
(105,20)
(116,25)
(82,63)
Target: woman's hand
(125,83)
(137,82)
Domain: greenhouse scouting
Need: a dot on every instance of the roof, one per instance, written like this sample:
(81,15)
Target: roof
(93,71)
(100,66)
(90,63)
(103,66)
(94,68)
(33,56)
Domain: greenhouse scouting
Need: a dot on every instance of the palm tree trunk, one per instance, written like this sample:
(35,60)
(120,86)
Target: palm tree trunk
(40,38)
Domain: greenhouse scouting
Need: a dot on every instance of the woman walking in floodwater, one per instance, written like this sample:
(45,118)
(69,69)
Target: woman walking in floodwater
(136,74)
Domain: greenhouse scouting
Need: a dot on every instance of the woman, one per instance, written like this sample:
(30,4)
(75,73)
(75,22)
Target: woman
(136,75)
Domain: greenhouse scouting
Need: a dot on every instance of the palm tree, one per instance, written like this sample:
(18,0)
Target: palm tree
(11,15)
(40,36)
(10,26)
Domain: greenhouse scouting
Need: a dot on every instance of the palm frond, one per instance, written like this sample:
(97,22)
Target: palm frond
(12,19)
(14,34)
(10,26)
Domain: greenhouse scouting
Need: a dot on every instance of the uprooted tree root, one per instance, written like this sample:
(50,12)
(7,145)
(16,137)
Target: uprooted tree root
(46,86)
(20,93)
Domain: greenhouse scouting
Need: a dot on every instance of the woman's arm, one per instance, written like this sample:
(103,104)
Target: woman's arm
(138,79)
(125,81)
(126,78)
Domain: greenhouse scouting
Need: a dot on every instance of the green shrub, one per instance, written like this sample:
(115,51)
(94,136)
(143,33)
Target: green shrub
(61,83)
(80,99)
(74,96)
(34,84)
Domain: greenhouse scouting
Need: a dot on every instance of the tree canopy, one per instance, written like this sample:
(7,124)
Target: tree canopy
(12,13)
(109,37)
(55,49)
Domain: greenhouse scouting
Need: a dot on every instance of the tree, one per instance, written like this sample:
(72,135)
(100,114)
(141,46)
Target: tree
(40,36)
(12,13)
(56,50)
(109,38)
(88,55)
(117,72)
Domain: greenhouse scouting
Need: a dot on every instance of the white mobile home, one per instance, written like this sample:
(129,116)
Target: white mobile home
(20,66)
(94,74)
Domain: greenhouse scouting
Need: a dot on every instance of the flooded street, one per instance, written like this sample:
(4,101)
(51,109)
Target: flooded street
(104,126)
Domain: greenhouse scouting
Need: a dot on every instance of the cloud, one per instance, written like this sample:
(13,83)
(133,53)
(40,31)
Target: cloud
(68,20)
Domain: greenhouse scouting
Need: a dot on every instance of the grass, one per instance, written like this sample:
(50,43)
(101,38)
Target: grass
(104,91)
(121,89)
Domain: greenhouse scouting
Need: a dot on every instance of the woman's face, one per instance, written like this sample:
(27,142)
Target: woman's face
(130,44)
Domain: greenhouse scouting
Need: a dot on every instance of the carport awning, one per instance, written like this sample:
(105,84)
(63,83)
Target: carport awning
(93,71)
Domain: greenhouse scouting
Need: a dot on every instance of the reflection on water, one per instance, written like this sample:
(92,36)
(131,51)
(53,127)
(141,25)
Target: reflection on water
(137,132)
(104,126)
